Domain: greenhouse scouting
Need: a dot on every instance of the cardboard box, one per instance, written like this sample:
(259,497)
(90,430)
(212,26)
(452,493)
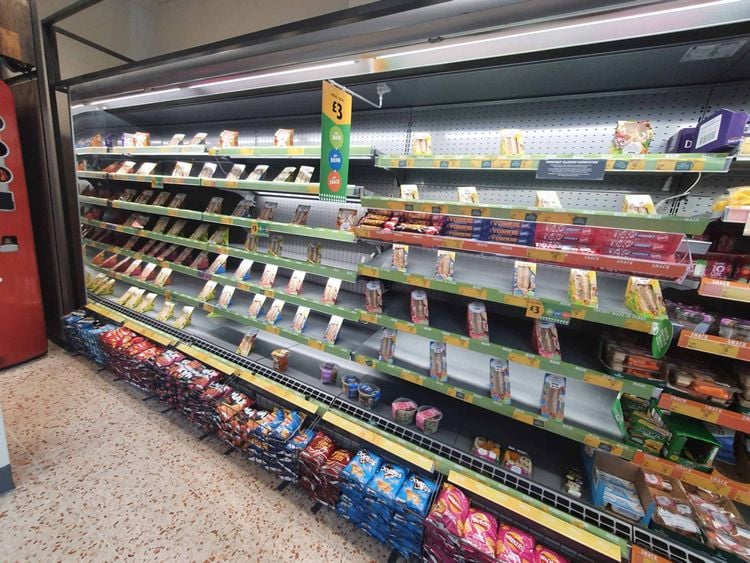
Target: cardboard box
(620,470)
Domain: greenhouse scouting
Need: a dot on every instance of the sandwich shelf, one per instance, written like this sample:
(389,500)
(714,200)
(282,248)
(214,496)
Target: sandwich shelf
(159,180)
(160,150)
(673,271)
(618,220)
(665,163)
(724,289)
(356,152)
(372,428)
(482,278)
(256,226)
(716,345)
(345,306)
(236,251)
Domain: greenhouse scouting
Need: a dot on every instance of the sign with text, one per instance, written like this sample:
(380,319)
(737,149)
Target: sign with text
(571,169)
(336,123)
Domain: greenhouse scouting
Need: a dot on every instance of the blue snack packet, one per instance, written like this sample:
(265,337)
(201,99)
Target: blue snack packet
(387,482)
(415,494)
(362,467)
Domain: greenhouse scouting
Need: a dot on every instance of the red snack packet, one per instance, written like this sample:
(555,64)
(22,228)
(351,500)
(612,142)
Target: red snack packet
(514,546)
(450,509)
(546,555)
(480,531)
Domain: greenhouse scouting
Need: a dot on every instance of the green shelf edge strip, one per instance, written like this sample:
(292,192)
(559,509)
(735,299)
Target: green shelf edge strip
(291,152)
(223,279)
(657,162)
(559,367)
(165,150)
(442,465)
(494,295)
(245,222)
(291,264)
(661,223)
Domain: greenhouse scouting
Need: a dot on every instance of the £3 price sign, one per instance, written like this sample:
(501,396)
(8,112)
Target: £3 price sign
(336,123)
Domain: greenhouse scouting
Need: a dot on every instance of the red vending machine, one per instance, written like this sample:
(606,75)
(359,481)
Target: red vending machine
(22,332)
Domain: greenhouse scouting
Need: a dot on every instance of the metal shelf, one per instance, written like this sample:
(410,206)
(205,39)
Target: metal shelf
(662,223)
(161,150)
(306,152)
(258,226)
(482,278)
(234,250)
(158,181)
(662,270)
(706,413)
(664,163)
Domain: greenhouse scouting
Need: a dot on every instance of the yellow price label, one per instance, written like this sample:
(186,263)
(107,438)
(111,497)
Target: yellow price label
(316,344)
(459,341)
(208,308)
(602,381)
(368,271)
(172,213)
(226,220)
(636,164)
(521,358)
(295,151)
(515,300)
(273,329)
(472,291)
(578,312)
(535,309)
(523,416)
(412,377)
(712,347)
(368,318)
(666,165)
(230,183)
(639,325)
(418,281)
(591,440)
(453,242)
(208,183)
(461,395)
(405,327)
(254,228)
(546,255)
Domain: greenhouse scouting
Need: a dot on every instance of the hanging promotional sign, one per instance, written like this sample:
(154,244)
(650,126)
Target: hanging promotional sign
(336,120)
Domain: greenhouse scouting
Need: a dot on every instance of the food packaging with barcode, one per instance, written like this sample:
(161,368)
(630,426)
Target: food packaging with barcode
(409,191)
(419,309)
(546,343)
(438,361)
(524,278)
(331,291)
(582,288)
(500,380)
(643,297)
(400,257)
(387,345)
(374,296)
(300,215)
(444,265)
(295,282)
(476,320)
(553,397)
(274,312)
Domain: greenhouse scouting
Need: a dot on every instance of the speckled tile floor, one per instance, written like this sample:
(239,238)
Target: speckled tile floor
(103,476)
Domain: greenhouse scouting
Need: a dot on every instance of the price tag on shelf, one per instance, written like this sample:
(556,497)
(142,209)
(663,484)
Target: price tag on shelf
(704,343)
(523,416)
(417,281)
(412,377)
(535,309)
(640,555)
(461,395)
(472,291)
(603,381)
(527,360)
(405,327)
(459,341)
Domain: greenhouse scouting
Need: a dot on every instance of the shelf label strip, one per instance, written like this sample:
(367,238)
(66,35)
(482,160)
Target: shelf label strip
(162,339)
(202,356)
(278,391)
(381,442)
(570,531)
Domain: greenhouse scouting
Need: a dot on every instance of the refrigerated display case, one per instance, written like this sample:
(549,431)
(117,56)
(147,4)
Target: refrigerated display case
(268,256)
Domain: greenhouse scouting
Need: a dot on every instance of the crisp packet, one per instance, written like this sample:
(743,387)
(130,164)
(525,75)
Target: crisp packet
(387,481)
(514,546)
(362,467)
(451,509)
(415,494)
(480,531)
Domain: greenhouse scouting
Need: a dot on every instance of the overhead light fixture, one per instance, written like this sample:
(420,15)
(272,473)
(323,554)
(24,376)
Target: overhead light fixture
(77,106)
(270,74)
(134,96)
(503,37)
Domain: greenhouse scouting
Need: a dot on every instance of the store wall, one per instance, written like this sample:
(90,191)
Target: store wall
(140,29)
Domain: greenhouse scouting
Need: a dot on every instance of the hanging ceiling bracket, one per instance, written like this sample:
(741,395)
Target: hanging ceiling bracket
(383,89)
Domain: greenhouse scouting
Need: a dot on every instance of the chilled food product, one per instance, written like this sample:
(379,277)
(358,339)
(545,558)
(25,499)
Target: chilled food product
(400,257)
(273,315)
(428,419)
(421,143)
(547,200)
(248,342)
(643,297)
(553,397)
(632,137)
(369,395)
(582,288)
(182,169)
(524,278)
(476,320)
(229,139)
(346,219)
(268,276)
(467,194)
(300,319)
(300,215)
(295,282)
(208,170)
(275,245)
(280,358)
(409,191)
(328,373)
(333,328)
(638,204)
(256,305)
(500,380)
(438,361)
(511,142)
(331,291)
(235,172)
(304,175)
(444,266)
(184,318)
(419,308)
(285,175)
(387,345)
(283,138)
(545,339)
(314,252)
(486,449)
(374,297)
(403,410)
(257,173)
